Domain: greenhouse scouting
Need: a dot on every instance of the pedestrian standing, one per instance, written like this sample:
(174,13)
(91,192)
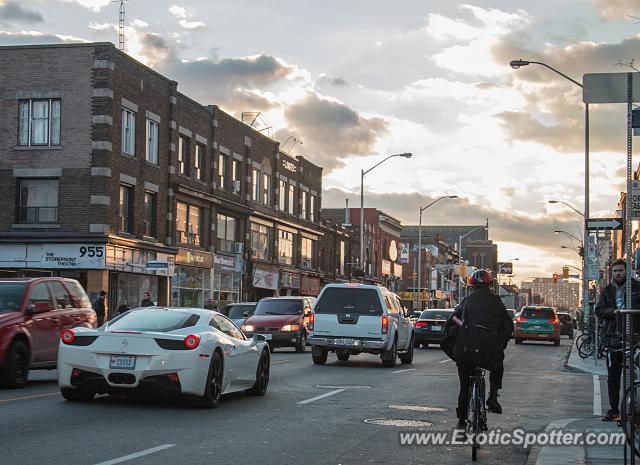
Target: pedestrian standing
(100,307)
(123,307)
(210,305)
(146,301)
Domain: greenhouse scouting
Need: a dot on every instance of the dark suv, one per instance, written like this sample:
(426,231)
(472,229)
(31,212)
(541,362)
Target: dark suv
(33,313)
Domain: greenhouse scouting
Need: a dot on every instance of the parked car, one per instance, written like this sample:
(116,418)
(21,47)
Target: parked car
(353,318)
(414,315)
(430,327)
(566,324)
(186,351)
(239,312)
(283,321)
(33,312)
(537,323)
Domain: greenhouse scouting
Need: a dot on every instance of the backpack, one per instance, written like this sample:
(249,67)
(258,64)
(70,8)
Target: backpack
(477,345)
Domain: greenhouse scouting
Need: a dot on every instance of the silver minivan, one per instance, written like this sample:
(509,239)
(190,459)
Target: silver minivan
(354,318)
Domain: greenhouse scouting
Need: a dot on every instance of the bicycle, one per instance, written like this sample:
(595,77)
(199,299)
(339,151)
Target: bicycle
(477,412)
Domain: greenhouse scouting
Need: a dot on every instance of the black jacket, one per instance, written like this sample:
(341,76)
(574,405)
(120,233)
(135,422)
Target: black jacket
(147,303)
(614,324)
(483,307)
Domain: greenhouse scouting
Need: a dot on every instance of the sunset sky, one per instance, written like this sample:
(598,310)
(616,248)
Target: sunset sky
(357,80)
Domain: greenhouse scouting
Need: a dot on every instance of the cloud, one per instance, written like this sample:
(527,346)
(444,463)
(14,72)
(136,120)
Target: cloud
(95,5)
(178,11)
(183,14)
(191,24)
(155,49)
(139,23)
(100,26)
(331,131)
(617,9)
(323,79)
(35,38)
(11,10)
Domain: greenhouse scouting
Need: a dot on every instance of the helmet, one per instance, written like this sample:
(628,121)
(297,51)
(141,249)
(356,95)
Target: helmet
(480,277)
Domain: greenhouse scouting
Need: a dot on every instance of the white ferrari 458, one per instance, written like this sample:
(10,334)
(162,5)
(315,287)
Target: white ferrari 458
(191,351)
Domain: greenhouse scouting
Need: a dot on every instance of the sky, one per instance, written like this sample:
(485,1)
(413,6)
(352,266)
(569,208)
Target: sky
(355,81)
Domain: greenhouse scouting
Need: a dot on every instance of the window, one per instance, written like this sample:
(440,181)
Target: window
(128,132)
(349,300)
(188,224)
(199,162)
(312,208)
(260,240)
(183,156)
(150,204)
(303,212)
(226,233)
(39,122)
(292,196)
(255,185)
(228,327)
(60,294)
(285,247)
(307,246)
(152,142)
(266,189)
(222,172)
(126,208)
(236,174)
(40,294)
(282,196)
(38,201)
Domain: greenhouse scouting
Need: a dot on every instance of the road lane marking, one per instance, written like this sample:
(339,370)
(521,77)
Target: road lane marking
(280,361)
(597,398)
(445,361)
(418,408)
(135,455)
(401,423)
(11,399)
(402,371)
(313,399)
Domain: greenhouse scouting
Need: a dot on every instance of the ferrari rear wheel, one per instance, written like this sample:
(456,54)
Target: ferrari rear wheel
(78,394)
(262,376)
(213,389)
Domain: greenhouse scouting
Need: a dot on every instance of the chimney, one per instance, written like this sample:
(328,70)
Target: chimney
(346,214)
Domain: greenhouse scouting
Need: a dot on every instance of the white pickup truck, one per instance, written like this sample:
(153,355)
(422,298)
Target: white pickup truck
(353,318)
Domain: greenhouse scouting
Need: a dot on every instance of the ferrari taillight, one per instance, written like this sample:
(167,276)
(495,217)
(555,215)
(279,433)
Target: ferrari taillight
(67,336)
(312,320)
(385,324)
(191,341)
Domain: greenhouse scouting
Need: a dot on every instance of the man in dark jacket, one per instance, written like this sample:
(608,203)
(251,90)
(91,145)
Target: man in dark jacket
(146,301)
(100,307)
(482,307)
(613,297)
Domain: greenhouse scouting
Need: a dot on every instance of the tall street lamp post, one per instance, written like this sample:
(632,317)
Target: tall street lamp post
(362,173)
(515,64)
(420,245)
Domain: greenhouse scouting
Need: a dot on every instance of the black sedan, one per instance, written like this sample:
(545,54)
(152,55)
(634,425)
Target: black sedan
(566,324)
(430,327)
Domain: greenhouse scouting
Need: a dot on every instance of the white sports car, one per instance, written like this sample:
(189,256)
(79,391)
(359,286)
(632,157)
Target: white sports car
(189,351)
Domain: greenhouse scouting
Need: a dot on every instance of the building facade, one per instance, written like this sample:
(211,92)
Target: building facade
(560,293)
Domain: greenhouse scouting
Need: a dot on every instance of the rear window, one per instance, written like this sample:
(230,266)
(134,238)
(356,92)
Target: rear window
(11,296)
(240,311)
(349,300)
(435,315)
(539,313)
(161,321)
(279,307)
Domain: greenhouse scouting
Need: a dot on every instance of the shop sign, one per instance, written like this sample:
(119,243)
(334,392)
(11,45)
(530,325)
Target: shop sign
(310,285)
(289,165)
(194,258)
(224,262)
(265,278)
(386,267)
(289,280)
(397,270)
(404,253)
(53,256)
(439,294)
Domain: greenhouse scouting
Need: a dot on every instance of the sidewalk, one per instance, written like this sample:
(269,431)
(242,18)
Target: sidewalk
(582,454)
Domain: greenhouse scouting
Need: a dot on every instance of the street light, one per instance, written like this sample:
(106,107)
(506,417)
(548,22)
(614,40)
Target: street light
(568,205)
(557,231)
(362,173)
(420,245)
(460,256)
(515,64)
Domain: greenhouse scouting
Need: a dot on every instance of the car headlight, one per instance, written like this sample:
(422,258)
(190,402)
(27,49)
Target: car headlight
(290,328)
(248,328)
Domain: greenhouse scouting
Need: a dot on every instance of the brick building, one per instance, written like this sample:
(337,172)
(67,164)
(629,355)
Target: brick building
(115,178)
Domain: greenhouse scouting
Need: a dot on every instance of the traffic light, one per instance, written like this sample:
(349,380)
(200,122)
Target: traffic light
(555,277)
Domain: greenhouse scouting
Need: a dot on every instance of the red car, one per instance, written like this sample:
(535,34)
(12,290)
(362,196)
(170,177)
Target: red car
(33,313)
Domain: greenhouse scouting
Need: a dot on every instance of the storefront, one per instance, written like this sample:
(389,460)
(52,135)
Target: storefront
(265,281)
(289,283)
(227,279)
(310,285)
(191,285)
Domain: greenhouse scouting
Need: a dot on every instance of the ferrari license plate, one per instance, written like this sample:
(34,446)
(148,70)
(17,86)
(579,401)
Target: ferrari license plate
(122,362)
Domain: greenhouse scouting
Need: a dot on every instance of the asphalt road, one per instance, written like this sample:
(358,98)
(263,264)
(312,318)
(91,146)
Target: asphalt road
(311,415)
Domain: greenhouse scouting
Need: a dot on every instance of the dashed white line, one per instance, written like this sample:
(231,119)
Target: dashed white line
(313,399)
(280,361)
(402,371)
(597,398)
(135,455)
(445,361)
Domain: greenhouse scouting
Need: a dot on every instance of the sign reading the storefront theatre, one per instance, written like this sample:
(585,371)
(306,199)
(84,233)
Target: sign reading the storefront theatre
(53,256)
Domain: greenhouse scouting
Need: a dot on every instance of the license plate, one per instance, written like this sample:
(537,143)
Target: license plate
(267,336)
(124,362)
(537,327)
(436,328)
(345,342)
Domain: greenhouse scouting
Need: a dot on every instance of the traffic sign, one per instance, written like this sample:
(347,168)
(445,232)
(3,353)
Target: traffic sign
(609,87)
(604,223)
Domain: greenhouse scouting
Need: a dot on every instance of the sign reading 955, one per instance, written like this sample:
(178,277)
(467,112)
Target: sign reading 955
(72,256)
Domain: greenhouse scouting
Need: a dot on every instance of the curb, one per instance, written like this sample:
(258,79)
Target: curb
(538,455)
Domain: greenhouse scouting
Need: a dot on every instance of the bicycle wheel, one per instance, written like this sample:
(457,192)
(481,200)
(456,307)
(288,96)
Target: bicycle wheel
(585,349)
(476,426)
(626,418)
(580,339)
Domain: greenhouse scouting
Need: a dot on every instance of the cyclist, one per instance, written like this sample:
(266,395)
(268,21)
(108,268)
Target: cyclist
(613,297)
(482,307)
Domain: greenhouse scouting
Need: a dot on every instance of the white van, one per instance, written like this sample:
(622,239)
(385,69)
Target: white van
(353,318)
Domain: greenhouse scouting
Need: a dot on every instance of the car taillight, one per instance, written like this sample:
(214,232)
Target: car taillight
(521,319)
(420,324)
(385,324)
(312,320)
(173,377)
(555,321)
(67,336)
(191,341)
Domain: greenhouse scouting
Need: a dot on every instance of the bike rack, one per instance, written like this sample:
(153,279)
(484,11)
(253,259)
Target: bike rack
(628,380)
